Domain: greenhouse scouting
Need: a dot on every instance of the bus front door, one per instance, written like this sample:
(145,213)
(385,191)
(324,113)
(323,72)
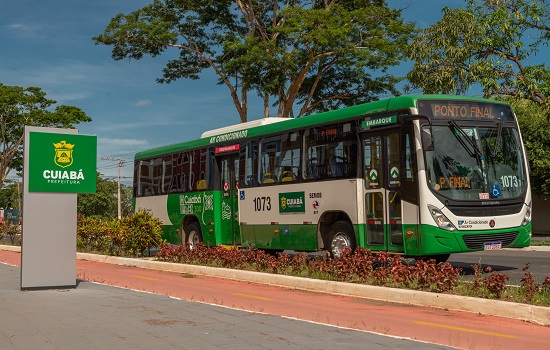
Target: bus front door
(383,195)
(229,171)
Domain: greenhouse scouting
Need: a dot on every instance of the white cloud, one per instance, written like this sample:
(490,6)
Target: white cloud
(109,142)
(143,123)
(22,29)
(143,103)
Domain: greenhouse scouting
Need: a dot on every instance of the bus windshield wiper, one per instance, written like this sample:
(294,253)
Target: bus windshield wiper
(498,140)
(476,151)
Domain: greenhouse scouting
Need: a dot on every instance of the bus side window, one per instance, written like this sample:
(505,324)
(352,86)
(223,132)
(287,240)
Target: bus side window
(288,168)
(247,164)
(201,184)
(241,176)
(270,152)
(310,157)
(146,178)
(185,172)
(330,152)
(198,179)
(158,176)
(287,176)
(409,192)
(176,173)
(191,181)
(167,171)
(268,178)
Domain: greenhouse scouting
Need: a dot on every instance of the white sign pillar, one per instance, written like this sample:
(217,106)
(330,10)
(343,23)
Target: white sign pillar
(48,247)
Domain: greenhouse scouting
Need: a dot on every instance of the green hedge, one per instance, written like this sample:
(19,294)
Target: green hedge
(130,236)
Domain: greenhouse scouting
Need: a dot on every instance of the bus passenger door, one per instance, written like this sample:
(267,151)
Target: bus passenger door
(383,195)
(229,172)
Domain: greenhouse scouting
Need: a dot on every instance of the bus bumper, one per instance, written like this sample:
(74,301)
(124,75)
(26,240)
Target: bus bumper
(431,240)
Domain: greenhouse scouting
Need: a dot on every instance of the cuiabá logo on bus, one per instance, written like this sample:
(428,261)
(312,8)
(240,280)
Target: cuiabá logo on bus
(187,203)
(292,202)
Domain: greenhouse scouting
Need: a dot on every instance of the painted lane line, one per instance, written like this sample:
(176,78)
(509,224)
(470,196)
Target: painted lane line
(251,296)
(465,329)
(145,278)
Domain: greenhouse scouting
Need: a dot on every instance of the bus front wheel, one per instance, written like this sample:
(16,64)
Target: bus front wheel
(340,236)
(193,234)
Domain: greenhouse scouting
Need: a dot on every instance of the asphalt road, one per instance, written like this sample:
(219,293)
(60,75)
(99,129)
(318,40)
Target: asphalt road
(98,316)
(510,262)
(197,327)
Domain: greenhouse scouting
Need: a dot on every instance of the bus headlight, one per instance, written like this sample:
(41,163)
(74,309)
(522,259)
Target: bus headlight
(527,216)
(440,219)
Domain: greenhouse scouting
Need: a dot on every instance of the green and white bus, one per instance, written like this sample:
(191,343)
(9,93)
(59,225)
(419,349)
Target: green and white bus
(423,176)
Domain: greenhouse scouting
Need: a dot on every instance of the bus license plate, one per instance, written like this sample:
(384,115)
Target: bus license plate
(492,246)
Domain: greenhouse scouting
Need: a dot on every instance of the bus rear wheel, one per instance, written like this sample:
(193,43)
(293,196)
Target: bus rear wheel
(340,236)
(193,234)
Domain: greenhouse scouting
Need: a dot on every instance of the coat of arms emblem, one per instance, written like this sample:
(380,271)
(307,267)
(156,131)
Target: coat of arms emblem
(63,154)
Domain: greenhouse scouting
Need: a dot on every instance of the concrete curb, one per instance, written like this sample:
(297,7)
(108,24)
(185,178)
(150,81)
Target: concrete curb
(10,248)
(531,313)
(534,248)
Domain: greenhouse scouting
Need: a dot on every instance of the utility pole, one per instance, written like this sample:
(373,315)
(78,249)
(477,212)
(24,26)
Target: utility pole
(119,163)
(19,197)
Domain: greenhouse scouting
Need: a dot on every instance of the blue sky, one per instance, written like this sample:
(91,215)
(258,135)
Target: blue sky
(48,44)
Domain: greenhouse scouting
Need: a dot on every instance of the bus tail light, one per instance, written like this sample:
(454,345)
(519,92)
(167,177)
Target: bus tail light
(440,219)
(527,216)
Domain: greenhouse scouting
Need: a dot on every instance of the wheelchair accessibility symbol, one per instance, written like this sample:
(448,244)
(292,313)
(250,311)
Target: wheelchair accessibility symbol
(495,190)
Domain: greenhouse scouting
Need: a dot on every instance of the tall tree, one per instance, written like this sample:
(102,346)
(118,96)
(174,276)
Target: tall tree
(28,106)
(126,202)
(322,54)
(104,202)
(10,194)
(534,120)
(493,43)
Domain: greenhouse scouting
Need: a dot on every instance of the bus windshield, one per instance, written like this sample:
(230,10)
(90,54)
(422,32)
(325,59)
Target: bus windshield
(476,162)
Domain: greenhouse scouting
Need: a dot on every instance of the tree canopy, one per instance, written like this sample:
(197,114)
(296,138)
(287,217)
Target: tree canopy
(493,43)
(319,54)
(28,106)
(534,120)
(104,202)
(10,194)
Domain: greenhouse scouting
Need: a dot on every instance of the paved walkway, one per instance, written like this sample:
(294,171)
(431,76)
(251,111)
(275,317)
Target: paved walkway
(95,316)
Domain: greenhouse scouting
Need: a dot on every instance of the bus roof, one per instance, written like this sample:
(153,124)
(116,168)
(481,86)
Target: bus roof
(268,126)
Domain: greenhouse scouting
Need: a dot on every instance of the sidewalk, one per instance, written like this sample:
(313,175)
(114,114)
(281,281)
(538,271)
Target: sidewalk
(95,316)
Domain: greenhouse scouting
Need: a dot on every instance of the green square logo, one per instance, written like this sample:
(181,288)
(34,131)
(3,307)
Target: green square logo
(292,203)
(62,163)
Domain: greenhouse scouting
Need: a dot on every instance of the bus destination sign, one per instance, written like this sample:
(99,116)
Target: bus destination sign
(226,149)
(464,110)
(380,121)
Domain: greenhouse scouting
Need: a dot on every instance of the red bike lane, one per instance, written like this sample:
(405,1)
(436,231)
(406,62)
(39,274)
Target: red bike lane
(452,328)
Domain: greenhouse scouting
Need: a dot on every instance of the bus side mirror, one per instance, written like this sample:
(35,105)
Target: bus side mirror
(427,134)
(427,139)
